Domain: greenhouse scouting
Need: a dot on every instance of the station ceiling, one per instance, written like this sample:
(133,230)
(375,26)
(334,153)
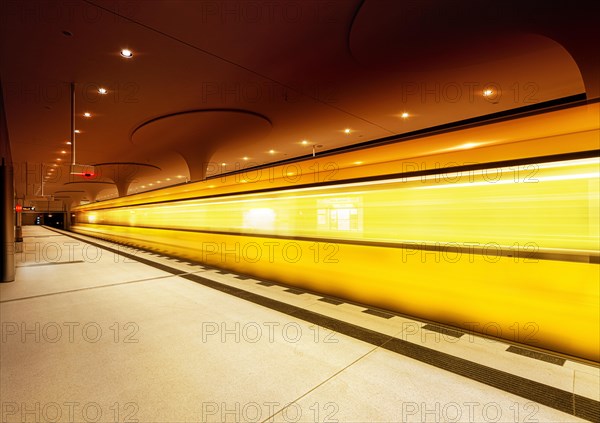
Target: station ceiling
(214,86)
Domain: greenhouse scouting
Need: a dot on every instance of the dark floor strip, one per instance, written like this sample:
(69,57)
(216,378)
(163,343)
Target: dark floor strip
(330,301)
(535,391)
(378,313)
(294,291)
(242,277)
(265,283)
(50,263)
(536,355)
(444,331)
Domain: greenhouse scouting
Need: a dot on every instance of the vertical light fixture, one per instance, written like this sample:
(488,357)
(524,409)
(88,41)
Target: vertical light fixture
(76,169)
(72,127)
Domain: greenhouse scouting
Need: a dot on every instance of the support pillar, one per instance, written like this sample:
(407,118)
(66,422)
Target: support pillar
(7,202)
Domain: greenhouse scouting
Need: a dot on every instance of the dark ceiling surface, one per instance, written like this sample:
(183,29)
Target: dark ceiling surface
(221,85)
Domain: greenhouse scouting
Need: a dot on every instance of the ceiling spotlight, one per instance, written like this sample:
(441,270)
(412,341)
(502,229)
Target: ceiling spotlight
(77,131)
(245,158)
(404,115)
(87,114)
(223,164)
(102,91)
(488,92)
(347,131)
(168,179)
(59,159)
(126,53)
(63,152)
(271,151)
(304,142)
(358,163)
(68,143)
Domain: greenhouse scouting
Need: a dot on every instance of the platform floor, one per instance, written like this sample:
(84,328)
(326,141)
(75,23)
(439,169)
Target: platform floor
(97,332)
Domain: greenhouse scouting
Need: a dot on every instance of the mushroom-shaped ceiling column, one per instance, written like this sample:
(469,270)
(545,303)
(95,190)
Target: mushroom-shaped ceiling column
(122,174)
(91,188)
(198,134)
(70,197)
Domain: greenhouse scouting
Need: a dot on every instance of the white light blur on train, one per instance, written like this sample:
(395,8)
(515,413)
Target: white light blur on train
(261,218)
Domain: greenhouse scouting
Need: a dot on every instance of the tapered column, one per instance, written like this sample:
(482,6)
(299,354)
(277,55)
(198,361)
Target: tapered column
(7,202)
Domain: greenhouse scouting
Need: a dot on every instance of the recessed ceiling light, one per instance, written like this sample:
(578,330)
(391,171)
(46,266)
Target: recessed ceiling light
(490,92)
(347,131)
(404,115)
(63,152)
(59,159)
(168,179)
(223,164)
(68,142)
(180,176)
(87,114)
(158,182)
(358,163)
(271,151)
(151,185)
(77,131)
(245,158)
(126,53)
(304,142)
(143,186)
(102,91)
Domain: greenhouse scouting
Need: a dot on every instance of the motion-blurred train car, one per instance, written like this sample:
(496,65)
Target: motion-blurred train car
(491,228)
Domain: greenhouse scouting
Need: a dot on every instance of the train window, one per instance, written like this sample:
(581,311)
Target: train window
(340,214)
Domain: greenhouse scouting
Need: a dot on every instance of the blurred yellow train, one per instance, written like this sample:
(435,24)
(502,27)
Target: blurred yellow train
(493,228)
